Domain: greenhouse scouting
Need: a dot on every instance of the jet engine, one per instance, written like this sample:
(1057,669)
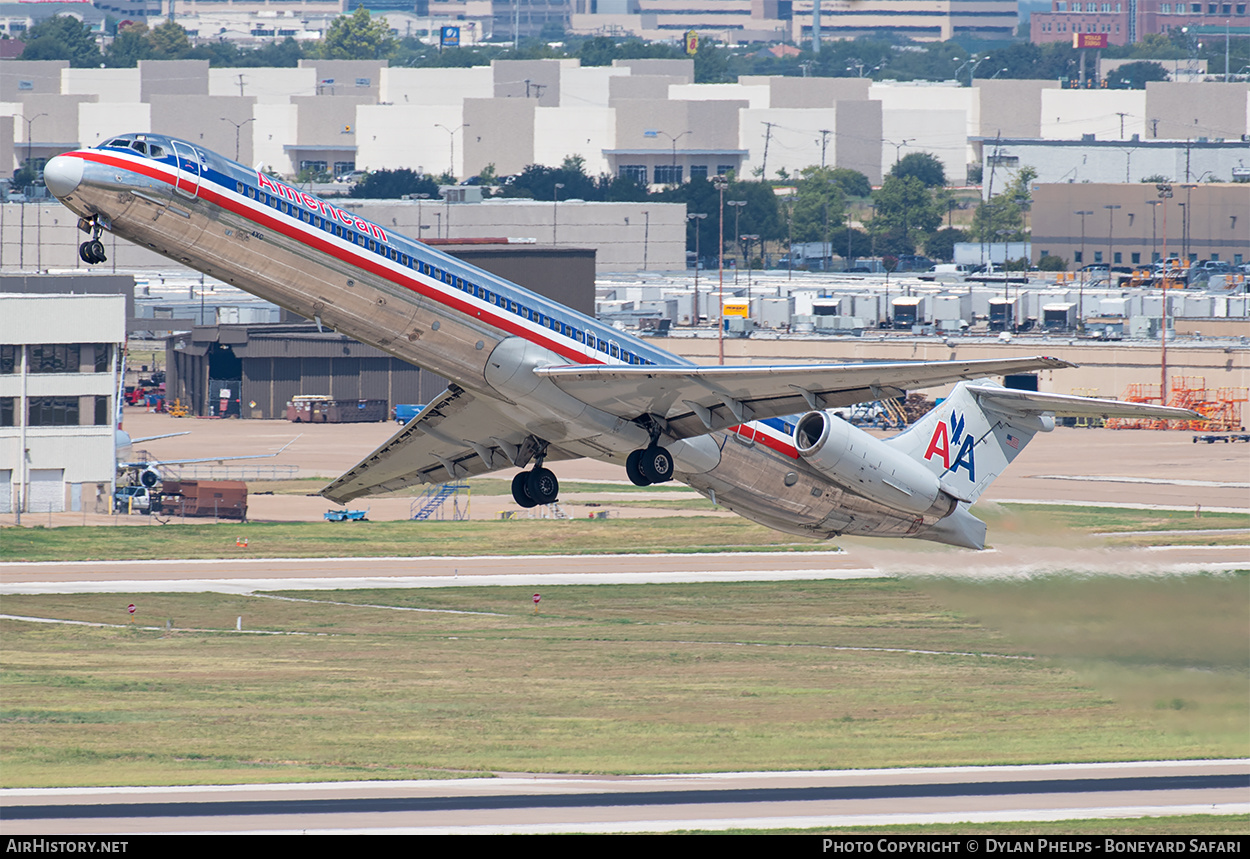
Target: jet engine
(868,466)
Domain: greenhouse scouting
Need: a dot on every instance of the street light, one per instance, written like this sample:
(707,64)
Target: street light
(451,158)
(674,140)
(21,253)
(720,183)
(238,126)
(1081,289)
(555,201)
(898,147)
(697,217)
(737,204)
(746,241)
(1110,231)
(418,198)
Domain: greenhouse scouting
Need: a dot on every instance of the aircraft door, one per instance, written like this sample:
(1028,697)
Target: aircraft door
(187,179)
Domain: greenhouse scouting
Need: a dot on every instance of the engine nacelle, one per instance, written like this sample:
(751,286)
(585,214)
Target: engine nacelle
(868,466)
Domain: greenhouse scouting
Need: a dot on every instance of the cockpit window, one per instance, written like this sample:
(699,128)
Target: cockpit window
(156,151)
(119,141)
(140,147)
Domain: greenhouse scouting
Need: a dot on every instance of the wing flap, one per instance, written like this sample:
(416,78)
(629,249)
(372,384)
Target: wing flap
(454,437)
(694,400)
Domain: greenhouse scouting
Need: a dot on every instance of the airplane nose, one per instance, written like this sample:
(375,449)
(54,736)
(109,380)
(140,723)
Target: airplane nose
(62,175)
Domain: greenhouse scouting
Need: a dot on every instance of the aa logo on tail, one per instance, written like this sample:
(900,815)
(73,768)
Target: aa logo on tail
(947,437)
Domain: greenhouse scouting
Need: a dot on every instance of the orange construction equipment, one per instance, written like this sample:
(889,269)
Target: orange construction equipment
(1138,392)
(1221,409)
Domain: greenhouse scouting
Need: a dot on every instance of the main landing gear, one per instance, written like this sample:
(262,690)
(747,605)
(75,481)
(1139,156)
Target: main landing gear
(535,487)
(652,464)
(92,251)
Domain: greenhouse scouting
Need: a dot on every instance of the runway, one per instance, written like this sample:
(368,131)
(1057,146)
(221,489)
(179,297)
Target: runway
(247,575)
(545,804)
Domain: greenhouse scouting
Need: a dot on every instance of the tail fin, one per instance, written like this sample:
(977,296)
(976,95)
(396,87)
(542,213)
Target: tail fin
(976,432)
(968,440)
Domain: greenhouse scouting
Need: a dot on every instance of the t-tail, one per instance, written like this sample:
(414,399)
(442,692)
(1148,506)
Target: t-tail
(971,437)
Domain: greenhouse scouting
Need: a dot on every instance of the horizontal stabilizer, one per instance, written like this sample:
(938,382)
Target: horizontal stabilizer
(1068,405)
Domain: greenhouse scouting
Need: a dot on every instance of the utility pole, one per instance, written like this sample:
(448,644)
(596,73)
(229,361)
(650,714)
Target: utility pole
(768,134)
(555,209)
(737,204)
(824,142)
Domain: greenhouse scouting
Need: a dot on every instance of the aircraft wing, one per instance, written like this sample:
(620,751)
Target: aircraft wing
(694,400)
(454,437)
(1067,405)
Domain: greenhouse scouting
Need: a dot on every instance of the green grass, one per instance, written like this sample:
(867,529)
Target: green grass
(624,679)
(1038,524)
(406,539)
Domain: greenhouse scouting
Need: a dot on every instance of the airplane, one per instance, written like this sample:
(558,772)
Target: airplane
(534,382)
(148,472)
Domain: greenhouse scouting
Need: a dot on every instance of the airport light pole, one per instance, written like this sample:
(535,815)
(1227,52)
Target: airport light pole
(698,218)
(737,204)
(720,183)
(674,142)
(451,145)
(1110,233)
(1081,289)
(21,248)
(555,209)
(746,242)
(898,147)
(238,127)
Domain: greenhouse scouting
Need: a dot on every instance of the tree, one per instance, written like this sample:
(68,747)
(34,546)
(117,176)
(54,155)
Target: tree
(539,182)
(1136,75)
(906,211)
(1001,218)
(923,166)
(941,244)
(129,46)
(393,184)
(819,206)
(62,38)
(852,182)
(168,41)
(358,37)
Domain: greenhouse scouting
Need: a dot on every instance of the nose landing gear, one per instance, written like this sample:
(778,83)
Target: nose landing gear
(92,252)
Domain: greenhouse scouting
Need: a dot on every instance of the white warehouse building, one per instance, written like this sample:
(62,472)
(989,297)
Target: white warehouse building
(59,364)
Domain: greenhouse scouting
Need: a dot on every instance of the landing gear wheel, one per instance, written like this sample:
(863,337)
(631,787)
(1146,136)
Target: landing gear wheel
(656,464)
(542,486)
(519,493)
(632,471)
(92,252)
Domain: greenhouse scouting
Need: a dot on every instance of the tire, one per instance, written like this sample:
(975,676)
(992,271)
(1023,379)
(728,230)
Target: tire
(519,493)
(83,254)
(96,248)
(632,471)
(542,486)
(656,464)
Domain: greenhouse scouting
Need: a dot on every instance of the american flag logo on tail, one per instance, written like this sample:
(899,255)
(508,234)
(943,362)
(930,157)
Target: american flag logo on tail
(1013,441)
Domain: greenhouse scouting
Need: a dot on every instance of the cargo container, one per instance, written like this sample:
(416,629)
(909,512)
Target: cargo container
(221,499)
(312,409)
